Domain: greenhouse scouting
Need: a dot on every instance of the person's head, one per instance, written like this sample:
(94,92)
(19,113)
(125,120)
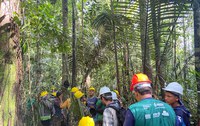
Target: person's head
(86,121)
(78,94)
(141,86)
(105,95)
(91,91)
(83,99)
(43,93)
(54,93)
(58,93)
(114,96)
(74,89)
(117,92)
(173,93)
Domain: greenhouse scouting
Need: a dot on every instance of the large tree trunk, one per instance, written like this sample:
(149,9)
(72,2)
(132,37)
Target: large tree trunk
(196,8)
(10,65)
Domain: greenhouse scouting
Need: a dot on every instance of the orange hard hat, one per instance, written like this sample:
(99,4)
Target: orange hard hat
(139,79)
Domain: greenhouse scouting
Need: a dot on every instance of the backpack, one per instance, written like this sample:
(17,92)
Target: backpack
(45,107)
(121,113)
(52,100)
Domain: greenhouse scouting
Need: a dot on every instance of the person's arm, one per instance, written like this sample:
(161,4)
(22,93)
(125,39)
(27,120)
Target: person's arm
(129,119)
(99,107)
(66,104)
(182,117)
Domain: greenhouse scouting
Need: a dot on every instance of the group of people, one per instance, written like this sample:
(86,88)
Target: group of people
(105,109)
(51,108)
(152,112)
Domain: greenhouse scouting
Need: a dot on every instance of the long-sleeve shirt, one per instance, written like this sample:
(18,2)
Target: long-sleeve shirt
(110,116)
(183,115)
(131,120)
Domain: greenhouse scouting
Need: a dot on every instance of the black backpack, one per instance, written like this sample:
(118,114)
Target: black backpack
(121,113)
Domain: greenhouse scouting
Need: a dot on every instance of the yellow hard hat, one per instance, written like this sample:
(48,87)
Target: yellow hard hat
(78,94)
(43,93)
(54,94)
(74,89)
(92,88)
(117,92)
(86,121)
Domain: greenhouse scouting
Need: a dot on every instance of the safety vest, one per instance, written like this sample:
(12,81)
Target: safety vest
(152,112)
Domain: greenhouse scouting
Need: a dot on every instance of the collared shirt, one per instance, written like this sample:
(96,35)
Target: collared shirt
(150,112)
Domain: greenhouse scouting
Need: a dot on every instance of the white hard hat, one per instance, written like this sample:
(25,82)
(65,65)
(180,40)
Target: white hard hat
(114,96)
(174,87)
(104,90)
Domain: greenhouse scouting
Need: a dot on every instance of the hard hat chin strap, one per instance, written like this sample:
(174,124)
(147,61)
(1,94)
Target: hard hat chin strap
(142,85)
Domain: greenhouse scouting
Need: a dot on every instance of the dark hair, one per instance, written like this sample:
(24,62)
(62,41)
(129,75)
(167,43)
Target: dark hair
(107,96)
(175,94)
(66,84)
(144,90)
(58,93)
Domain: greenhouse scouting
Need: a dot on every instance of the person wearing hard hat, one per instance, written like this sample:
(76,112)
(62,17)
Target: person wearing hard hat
(173,93)
(121,99)
(45,108)
(91,101)
(80,95)
(115,98)
(99,113)
(86,121)
(57,116)
(74,89)
(109,114)
(147,111)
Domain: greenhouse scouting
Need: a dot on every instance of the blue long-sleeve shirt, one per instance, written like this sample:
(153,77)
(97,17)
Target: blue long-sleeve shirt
(129,119)
(183,115)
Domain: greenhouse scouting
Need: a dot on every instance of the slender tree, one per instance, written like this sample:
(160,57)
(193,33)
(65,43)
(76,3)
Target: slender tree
(156,37)
(11,64)
(144,37)
(73,43)
(65,70)
(196,9)
(115,46)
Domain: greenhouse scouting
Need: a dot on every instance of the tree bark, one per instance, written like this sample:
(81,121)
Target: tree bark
(196,9)
(65,70)
(73,43)
(156,37)
(10,66)
(115,48)
(144,38)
